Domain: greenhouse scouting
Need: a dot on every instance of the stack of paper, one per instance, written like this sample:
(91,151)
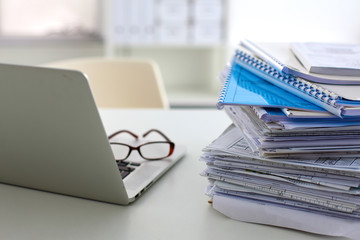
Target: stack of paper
(302,138)
(281,165)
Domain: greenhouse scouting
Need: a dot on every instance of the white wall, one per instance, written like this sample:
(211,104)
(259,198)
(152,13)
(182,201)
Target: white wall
(294,20)
(194,70)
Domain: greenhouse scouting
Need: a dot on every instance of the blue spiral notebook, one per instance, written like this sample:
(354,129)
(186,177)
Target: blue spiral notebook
(292,88)
(242,87)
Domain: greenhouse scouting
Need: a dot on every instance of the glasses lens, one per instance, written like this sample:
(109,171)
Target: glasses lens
(155,150)
(120,151)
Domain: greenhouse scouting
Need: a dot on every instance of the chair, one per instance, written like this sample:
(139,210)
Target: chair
(121,83)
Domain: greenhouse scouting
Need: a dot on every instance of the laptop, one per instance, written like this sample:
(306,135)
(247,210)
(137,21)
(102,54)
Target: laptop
(53,139)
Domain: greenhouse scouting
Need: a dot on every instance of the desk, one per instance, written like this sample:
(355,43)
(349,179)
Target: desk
(173,208)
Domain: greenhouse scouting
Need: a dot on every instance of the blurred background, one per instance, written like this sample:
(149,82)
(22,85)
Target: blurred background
(191,40)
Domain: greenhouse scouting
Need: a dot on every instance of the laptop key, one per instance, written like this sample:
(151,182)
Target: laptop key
(122,163)
(135,164)
(125,171)
(124,174)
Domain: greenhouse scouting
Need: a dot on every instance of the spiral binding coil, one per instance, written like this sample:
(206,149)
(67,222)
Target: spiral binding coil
(298,83)
(227,73)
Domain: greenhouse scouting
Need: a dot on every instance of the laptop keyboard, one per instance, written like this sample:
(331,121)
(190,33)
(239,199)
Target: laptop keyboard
(126,167)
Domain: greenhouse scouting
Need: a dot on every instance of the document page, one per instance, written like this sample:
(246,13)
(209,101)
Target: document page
(329,58)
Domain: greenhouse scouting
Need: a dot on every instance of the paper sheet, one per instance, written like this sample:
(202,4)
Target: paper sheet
(233,141)
(250,211)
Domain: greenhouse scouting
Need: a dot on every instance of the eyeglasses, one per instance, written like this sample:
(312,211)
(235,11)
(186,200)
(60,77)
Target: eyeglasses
(155,150)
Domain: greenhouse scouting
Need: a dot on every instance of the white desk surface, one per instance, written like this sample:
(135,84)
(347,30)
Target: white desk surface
(173,208)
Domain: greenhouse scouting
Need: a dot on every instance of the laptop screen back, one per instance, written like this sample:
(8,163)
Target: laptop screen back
(52,136)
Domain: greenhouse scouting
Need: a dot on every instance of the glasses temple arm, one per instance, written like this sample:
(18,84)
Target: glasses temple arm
(123,131)
(155,130)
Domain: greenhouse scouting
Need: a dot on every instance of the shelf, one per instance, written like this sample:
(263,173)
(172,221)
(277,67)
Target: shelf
(192,99)
(172,46)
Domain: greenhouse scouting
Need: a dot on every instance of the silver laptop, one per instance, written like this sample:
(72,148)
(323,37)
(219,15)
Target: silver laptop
(52,139)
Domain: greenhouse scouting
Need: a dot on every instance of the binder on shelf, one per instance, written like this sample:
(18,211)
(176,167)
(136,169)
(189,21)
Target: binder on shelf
(207,21)
(207,10)
(134,21)
(172,21)
(173,11)
(172,33)
(283,60)
(120,21)
(207,33)
(146,15)
(341,100)
(167,22)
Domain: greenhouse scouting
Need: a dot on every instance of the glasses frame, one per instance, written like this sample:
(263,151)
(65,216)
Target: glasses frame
(138,148)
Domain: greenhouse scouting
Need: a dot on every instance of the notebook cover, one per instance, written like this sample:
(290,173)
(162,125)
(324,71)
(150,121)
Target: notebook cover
(242,87)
